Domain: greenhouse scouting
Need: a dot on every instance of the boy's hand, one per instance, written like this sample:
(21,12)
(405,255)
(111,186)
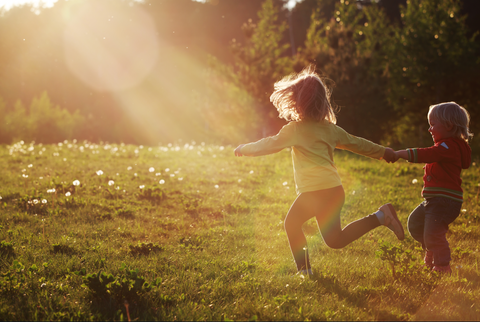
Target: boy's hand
(390,156)
(237,150)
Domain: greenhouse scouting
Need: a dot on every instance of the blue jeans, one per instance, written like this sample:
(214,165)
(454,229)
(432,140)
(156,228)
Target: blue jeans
(428,224)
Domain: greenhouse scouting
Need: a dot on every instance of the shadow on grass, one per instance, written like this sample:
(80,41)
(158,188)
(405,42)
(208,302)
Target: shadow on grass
(358,299)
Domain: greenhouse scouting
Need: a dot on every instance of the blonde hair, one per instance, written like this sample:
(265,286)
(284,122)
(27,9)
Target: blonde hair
(303,96)
(452,115)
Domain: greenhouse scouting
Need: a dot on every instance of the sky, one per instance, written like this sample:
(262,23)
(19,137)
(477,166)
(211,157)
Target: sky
(7,4)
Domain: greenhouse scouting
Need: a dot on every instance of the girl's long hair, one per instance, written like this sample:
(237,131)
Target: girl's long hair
(303,96)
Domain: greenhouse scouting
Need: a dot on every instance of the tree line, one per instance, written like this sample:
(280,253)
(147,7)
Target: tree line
(217,63)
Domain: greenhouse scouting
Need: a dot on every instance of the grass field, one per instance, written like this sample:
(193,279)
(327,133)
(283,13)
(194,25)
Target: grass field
(189,232)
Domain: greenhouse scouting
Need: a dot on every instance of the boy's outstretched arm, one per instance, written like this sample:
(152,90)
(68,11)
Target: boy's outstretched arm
(238,149)
(390,155)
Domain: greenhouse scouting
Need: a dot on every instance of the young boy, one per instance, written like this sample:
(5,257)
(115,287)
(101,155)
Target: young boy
(442,190)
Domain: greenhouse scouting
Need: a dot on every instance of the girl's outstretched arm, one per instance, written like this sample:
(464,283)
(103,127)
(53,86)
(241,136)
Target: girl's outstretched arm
(403,154)
(238,149)
(390,156)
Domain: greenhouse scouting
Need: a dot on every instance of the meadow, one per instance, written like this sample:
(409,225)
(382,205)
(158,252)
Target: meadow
(189,232)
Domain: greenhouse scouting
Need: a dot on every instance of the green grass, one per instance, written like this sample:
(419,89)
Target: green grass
(209,243)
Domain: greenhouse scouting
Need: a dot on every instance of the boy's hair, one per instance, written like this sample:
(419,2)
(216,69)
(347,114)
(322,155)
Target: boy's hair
(452,115)
(303,96)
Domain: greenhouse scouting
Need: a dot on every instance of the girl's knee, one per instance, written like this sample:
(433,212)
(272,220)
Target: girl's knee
(333,243)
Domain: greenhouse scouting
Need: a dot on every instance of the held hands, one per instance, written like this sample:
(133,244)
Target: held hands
(390,156)
(237,150)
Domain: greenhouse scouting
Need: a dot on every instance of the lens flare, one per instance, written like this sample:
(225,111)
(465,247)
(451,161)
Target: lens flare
(108,47)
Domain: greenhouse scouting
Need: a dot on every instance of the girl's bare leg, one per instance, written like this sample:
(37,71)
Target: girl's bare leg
(325,205)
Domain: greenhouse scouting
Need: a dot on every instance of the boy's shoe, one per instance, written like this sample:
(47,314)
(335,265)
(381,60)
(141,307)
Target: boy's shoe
(428,259)
(443,269)
(391,220)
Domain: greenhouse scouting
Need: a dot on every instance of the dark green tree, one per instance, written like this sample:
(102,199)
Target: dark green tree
(263,59)
(433,61)
(349,49)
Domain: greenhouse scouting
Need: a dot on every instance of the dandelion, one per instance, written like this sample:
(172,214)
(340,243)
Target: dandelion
(167,169)
(251,171)
(285,183)
(353,192)
(142,186)
(44,201)
(76,183)
(30,165)
(180,179)
(216,186)
(239,180)
(464,210)
(99,172)
(414,181)
(111,183)
(117,188)
(152,169)
(0,197)
(172,175)
(43,284)
(158,174)
(25,175)
(135,174)
(129,168)
(240,191)
(68,194)
(161,181)
(51,190)
(35,201)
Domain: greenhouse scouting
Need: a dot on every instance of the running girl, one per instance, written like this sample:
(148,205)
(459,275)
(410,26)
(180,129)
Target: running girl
(304,101)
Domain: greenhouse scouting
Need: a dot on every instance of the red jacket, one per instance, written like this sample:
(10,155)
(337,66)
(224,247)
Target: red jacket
(444,163)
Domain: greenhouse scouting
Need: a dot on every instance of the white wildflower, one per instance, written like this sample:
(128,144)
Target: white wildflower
(76,183)
(99,172)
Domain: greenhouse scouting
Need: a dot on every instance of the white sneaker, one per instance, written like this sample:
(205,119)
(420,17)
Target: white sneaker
(391,220)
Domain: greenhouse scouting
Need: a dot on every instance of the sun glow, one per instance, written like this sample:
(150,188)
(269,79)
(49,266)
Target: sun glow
(108,48)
